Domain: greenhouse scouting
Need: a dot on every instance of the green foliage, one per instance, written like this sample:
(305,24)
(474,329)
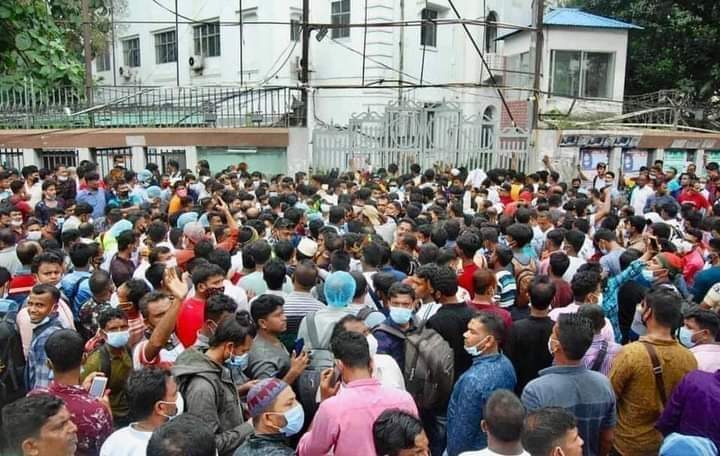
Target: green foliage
(42,40)
(679,47)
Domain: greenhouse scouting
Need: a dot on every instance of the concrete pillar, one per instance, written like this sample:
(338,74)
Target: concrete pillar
(138,158)
(700,161)
(658,155)
(297,151)
(191,157)
(32,157)
(615,160)
(85,153)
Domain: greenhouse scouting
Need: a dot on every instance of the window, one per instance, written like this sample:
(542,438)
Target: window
(428,31)
(207,39)
(131,52)
(491,32)
(102,61)
(165,47)
(340,15)
(295,30)
(582,74)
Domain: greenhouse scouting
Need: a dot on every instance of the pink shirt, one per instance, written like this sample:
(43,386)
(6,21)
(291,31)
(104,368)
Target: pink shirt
(707,356)
(343,423)
(693,263)
(606,332)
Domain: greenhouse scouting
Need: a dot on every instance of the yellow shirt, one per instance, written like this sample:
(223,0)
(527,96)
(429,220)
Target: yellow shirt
(515,190)
(638,401)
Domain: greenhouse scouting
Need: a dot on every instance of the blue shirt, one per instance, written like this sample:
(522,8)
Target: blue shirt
(76,287)
(586,394)
(95,198)
(390,344)
(37,373)
(465,411)
(704,280)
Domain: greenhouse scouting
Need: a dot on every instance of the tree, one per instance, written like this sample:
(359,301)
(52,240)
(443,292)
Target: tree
(679,47)
(42,41)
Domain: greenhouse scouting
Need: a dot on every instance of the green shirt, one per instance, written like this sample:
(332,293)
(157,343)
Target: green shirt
(120,369)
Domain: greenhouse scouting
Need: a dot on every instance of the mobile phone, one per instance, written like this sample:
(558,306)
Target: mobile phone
(299,345)
(654,244)
(336,376)
(97,387)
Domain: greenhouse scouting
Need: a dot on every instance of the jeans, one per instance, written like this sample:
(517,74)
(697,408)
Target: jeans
(435,426)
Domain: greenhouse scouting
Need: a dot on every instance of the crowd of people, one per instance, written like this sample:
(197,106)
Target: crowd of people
(376,312)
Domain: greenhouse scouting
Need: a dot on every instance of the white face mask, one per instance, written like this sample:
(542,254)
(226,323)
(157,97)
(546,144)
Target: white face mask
(33,236)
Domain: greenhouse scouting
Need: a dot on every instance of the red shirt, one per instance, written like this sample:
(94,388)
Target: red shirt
(93,420)
(493,309)
(465,279)
(695,198)
(563,294)
(190,320)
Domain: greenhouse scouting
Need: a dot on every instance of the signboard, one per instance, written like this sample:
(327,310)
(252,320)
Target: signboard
(633,160)
(589,159)
(676,159)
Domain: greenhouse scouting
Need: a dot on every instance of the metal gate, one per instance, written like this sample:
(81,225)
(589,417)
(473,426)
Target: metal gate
(58,157)
(106,157)
(160,156)
(429,134)
(12,158)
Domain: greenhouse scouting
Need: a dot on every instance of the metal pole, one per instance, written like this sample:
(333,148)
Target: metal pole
(402,52)
(177,46)
(87,50)
(112,37)
(539,10)
(305,73)
(241,42)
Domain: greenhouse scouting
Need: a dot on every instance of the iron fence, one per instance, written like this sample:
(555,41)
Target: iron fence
(140,106)
(12,158)
(54,157)
(161,156)
(106,158)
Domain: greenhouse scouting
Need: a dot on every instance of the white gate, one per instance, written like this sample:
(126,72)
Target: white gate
(428,134)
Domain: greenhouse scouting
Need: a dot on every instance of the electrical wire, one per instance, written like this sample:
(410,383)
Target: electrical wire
(485,64)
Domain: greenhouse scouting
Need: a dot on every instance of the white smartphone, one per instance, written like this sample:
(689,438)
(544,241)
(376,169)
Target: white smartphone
(97,387)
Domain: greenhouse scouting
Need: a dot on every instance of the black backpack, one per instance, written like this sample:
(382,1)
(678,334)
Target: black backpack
(12,361)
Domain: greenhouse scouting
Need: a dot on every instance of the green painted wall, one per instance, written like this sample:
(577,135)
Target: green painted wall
(267,161)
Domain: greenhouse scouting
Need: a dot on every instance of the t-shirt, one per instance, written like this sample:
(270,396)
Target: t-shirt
(165,359)
(267,359)
(451,322)
(190,320)
(127,441)
(526,346)
(489,452)
(120,368)
(610,262)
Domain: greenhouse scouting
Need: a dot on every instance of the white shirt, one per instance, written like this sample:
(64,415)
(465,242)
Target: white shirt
(575,264)
(487,452)
(387,371)
(639,198)
(607,331)
(127,441)
(237,293)
(426,311)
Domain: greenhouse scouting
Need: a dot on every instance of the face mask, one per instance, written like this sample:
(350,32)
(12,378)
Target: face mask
(240,361)
(33,236)
(294,420)
(604,251)
(114,301)
(372,344)
(43,321)
(62,178)
(210,292)
(16,222)
(117,339)
(179,405)
(686,336)
(648,276)
(400,315)
(171,263)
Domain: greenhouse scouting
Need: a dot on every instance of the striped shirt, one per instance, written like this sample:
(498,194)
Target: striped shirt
(297,305)
(506,288)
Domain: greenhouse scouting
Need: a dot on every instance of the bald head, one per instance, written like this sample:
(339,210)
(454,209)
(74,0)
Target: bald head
(305,275)
(252,213)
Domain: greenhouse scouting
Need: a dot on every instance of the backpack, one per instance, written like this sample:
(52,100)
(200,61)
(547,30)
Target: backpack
(429,365)
(105,359)
(320,359)
(12,360)
(364,312)
(524,276)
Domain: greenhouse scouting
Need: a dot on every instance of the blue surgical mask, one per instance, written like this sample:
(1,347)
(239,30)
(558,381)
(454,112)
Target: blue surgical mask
(294,420)
(648,277)
(400,315)
(117,339)
(239,361)
(685,335)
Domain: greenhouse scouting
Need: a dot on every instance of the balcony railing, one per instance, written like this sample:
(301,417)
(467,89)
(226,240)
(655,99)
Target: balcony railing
(160,107)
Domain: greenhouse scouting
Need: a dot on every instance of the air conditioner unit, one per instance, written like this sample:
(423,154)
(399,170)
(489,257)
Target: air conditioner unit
(125,72)
(196,62)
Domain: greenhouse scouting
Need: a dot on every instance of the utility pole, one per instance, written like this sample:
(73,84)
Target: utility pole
(539,40)
(87,50)
(240,7)
(112,38)
(402,52)
(177,46)
(305,63)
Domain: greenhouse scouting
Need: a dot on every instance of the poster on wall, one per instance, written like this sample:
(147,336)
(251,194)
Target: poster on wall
(633,160)
(676,159)
(589,159)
